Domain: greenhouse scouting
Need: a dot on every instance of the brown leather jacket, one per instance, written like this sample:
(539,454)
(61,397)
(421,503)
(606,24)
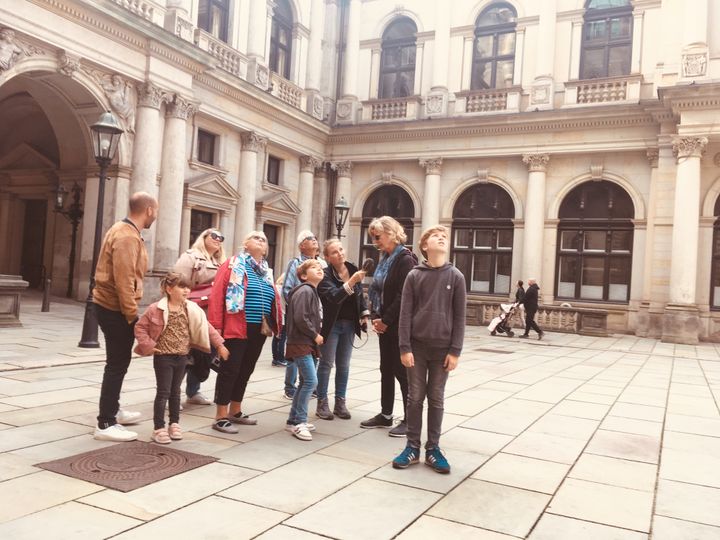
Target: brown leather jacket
(122,263)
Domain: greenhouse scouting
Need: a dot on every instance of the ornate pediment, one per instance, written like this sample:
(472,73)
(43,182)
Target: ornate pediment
(210,190)
(25,157)
(278,207)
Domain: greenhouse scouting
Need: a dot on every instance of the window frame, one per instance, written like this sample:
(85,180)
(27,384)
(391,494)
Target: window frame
(715,256)
(224,25)
(197,214)
(269,173)
(281,21)
(483,225)
(388,45)
(593,15)
(210,138)
(495,31)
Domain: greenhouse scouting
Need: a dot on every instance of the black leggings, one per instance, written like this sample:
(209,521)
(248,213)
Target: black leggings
(390,369)
(235,372)
(169,372)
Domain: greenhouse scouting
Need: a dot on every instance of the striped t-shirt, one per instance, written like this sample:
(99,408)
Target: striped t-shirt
(257,304)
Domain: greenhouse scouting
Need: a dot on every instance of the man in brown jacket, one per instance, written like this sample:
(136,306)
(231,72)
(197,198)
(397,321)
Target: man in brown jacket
(121,266)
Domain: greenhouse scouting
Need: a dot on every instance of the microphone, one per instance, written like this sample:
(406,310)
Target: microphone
(368,265)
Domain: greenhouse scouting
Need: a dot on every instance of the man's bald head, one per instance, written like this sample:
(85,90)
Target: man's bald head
(143,209)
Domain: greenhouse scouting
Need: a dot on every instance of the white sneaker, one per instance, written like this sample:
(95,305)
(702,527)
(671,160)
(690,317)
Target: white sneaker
(199,399)
(289,427)
(302,432)
(115,433)
(127,417)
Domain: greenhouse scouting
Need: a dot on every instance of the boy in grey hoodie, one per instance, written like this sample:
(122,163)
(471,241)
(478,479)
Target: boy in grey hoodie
(431,332)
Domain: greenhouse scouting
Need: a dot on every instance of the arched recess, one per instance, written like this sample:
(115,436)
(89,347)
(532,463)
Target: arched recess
(390,17)
(710,201)
(447,209)
(637,200)
(478,8)
(358,204)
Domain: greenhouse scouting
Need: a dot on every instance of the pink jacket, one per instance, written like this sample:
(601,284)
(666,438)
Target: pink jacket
(154,320)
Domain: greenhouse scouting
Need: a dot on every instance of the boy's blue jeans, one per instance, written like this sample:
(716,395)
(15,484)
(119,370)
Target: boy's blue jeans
(426,378)
(337,350)
(291,372)
(308,382)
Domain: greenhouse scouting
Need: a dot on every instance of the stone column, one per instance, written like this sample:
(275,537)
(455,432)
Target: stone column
(320,206)
(252,143)
(375,59)
(636,40)
(172,184)
(308,164)
(466,80)
(534,217)
(347,106)
(269,11)
(315,104)
(431,195)
(576,48)
(185,228)
(6,229)
(519,55)
(542,90)
(419,54)
(343,187)
(681,323)
(257,71)
(436,101)
(643,322)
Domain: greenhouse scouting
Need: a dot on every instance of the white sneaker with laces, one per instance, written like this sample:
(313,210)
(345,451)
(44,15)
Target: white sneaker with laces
(127,417)
(302,432)
(115,433)
(199,399)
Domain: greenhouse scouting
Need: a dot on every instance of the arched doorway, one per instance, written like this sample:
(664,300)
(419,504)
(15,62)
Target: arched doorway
(44,144)
(715,272)
(391,201)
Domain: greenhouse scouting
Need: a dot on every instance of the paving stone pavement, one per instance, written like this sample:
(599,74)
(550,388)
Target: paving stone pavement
(571,438)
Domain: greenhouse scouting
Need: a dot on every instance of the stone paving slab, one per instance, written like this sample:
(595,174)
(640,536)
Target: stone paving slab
(570,438)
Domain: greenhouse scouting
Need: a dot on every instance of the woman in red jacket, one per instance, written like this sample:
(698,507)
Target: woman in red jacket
(245,308)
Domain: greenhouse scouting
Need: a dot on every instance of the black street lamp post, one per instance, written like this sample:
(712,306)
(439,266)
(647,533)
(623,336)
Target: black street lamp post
(74,214)
(342,208)
(106,134)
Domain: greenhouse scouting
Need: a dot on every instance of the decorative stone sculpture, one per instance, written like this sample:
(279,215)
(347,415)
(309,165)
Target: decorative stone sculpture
(10,50)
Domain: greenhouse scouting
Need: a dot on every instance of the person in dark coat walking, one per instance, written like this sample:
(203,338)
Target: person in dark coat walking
(520,293)
(530,301)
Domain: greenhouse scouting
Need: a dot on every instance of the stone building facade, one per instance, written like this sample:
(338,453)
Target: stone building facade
(574,141)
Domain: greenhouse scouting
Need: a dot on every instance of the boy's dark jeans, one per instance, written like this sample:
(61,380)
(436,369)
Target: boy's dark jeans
(169,372)
(426,378)
(119,338)
(390,369)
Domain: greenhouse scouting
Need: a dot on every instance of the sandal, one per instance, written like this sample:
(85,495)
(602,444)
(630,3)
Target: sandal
(244,419)
(160,436)
(175,432)
(224,426)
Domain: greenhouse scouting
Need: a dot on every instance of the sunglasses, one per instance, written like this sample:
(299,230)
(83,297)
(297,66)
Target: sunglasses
(218,237)
(258,238)
(309,238)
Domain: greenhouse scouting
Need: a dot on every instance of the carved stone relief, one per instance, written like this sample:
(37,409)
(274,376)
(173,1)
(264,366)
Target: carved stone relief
(13,49)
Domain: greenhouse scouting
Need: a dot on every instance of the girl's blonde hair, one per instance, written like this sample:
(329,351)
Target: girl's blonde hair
(174,279)
(389,226)
(199,245)
(328,243)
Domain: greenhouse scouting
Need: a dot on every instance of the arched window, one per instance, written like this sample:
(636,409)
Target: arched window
(483,238)
(281,39)
(606,39)
(213,17)
(595,241)
(493,61)
(715,272)
(397,64)
(391,201)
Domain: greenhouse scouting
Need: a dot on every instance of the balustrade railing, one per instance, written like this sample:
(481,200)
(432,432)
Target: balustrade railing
(229,59)
(287,91)
(602,91)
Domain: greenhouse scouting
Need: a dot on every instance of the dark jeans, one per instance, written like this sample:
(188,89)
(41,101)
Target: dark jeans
(235,372)
(119,338)
(169,372)
(192,385)
(390,369)
(426,378)
(530,322)
(278,346)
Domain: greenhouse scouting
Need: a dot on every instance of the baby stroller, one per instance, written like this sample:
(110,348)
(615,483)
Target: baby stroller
(501,323)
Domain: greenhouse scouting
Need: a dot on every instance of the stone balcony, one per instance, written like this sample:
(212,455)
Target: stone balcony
(229,59)
(603,91)
(392,109)
(498,100)
(147,9)
(287,91)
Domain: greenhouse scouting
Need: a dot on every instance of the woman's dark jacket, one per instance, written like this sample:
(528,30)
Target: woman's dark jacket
(333,294)
(519,295)
(393,287)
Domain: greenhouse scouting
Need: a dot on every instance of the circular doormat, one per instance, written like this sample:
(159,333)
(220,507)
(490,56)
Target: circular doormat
(127,466)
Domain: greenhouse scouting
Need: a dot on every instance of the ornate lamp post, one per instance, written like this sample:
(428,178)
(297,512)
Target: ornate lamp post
(342,208)
(105,134)
(74,214)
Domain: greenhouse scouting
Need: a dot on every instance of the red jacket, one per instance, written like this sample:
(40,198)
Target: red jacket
(234,325)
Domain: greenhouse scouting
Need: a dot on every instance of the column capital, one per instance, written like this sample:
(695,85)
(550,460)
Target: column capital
(689,146)
(536,162)
(179,107)
(310,163)
(652,155)
(252,142)
(432,165)
(343,168)
(149,95)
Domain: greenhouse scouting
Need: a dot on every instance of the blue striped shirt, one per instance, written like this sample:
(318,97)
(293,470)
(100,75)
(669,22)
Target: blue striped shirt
(257,304)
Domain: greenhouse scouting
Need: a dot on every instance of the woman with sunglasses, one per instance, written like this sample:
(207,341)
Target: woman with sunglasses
(199,264)
(244,307)
(385,294)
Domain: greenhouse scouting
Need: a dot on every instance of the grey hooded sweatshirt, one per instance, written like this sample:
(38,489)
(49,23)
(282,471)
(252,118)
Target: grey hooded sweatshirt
(433,308)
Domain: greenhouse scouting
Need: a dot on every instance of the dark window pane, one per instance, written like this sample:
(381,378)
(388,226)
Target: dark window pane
(407,56)
(502,273)
(619,279)
(206,147)
(567,276)
(605,4)
(595,30)
(593,277)
(595,240)
(462,262)
(402,86)
(621,241)
(483,239)
(619,62)
(494,15)
(199,221)
(504,73)
(620,27)
(716,278)
(593,64)
(569,240)
(506,44)
(402,28)
(273,170)
(482,75)
(271,231)
(484,46)
(463,238)
(482,268)
(505,238)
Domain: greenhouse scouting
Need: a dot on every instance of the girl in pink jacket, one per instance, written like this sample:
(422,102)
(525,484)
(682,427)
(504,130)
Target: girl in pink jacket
(168,330)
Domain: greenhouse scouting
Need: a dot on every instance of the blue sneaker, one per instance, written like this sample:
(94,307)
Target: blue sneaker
(436,459)
(409,456)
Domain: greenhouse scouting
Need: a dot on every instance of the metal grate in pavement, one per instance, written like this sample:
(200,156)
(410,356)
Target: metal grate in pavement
(127,466)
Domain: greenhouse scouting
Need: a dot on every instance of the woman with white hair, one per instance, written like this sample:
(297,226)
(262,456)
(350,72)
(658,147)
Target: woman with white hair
(244,307)
(385,293)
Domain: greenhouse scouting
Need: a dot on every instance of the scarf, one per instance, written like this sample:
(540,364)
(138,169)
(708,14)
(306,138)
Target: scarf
(381,272)
(235,292)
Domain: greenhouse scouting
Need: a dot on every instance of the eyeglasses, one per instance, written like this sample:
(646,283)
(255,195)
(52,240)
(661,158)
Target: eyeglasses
(218,237)
(309,238)
(258,238)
